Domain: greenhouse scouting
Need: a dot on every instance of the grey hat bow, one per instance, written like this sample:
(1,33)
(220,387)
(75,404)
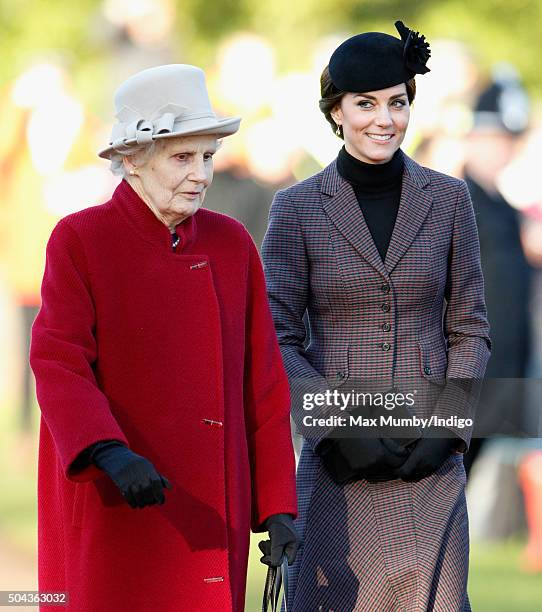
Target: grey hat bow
(131,125)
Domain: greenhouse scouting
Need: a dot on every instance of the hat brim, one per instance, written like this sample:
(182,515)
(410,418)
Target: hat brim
(220,127)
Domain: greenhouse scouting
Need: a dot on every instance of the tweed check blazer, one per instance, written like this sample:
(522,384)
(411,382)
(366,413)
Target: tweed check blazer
(419,313)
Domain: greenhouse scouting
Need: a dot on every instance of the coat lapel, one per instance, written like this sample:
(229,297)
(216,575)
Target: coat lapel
(341,206)
(413,209)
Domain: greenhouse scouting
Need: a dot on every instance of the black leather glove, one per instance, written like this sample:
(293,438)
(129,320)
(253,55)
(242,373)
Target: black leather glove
(429,454)
(136,477)
(283,540)
(375,459)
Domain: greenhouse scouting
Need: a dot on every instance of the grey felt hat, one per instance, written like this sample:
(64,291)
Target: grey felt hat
(164,102)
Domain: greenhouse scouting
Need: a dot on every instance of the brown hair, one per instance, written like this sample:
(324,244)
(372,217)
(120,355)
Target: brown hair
(331,96)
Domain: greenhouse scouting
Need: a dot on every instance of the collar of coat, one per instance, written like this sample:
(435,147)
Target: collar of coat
(341,205)
(146,225)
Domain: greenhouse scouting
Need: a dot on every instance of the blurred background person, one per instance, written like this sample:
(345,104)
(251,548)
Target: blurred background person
(500,118)
(239,194)
(46,148)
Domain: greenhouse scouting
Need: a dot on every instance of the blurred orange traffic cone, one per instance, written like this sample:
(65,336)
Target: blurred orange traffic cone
(530,477)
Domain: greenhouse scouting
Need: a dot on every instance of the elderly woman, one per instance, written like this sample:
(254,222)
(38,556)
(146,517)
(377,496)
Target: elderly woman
(382,255)
(165,405)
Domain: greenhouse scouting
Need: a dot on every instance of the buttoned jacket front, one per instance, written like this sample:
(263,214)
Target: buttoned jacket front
(419,313)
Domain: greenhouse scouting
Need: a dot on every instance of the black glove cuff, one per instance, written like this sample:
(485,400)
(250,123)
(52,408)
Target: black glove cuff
(278,518)
(86,457)
(95,449)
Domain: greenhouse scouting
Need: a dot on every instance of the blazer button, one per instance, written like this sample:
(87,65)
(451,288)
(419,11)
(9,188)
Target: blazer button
(385,307)
(385,288)
(386,327)
(386,346)
(341,375)
(427,370)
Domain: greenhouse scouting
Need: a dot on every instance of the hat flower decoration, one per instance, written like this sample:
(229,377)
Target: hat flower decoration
(416,49)
(371,61)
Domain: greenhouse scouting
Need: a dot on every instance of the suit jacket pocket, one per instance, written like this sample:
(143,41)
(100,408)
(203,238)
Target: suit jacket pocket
(433,362)
(337,367)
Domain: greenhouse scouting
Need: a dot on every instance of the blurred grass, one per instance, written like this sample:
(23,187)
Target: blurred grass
(496,582)
(18,467)
(256,576)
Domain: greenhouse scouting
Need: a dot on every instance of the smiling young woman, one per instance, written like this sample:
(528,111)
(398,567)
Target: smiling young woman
(361,261)
(373,124)
(384,119)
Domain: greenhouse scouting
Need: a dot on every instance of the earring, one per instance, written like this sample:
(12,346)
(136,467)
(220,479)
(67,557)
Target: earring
(132,173)
(338,130)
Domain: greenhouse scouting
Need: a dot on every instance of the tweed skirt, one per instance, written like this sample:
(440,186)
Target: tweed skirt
(381,547)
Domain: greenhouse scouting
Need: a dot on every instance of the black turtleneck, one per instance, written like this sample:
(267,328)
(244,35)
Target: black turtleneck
(378,190)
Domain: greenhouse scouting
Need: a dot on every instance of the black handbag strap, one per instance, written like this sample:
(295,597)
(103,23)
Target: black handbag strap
(276,582)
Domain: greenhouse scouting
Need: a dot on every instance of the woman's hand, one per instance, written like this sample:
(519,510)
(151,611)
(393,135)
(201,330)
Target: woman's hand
(349,459)
(428,456)
(283,540)
(136,477)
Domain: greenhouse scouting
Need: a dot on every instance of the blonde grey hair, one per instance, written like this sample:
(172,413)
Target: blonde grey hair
(117,166)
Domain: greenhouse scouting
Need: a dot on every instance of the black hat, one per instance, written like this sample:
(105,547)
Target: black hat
(374,60)
(504,104)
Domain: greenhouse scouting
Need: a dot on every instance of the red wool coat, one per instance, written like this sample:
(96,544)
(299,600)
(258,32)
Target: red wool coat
(174,354)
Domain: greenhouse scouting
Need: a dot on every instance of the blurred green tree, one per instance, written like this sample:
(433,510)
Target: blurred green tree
(73,32)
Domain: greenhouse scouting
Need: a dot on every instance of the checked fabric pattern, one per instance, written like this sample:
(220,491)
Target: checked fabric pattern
(342,313)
